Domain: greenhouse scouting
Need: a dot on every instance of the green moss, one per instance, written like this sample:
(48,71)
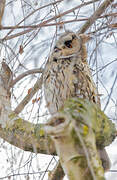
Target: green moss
(81,160)
(75,138)
(12,115)
(85,130)
(88,114)
(71,175)
(39,131)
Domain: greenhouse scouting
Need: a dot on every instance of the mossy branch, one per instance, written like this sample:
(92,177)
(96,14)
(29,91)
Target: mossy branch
(27,136)
(15,130)
(79,130)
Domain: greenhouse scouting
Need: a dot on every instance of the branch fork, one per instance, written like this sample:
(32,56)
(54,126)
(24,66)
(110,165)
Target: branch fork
(78,134)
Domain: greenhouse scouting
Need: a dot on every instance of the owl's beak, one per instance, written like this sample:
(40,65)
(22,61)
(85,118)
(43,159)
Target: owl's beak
(56,49)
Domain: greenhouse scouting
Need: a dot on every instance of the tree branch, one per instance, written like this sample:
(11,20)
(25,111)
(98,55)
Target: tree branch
(94,17)
(7,81)
(15,130)
(48,21)
(2,7)
(21,76)
(42,7)
(29,96)
(88,131)
(55,24)
(26,136)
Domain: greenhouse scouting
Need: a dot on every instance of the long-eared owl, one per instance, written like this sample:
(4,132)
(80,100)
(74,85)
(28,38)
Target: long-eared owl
(67,74)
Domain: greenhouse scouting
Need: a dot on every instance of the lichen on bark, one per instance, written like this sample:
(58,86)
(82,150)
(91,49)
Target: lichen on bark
(78,130)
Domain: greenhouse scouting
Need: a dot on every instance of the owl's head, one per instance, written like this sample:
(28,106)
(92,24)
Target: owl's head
(70,43)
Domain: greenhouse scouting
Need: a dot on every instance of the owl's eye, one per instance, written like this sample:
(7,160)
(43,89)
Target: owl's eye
(68,43)
(55,59)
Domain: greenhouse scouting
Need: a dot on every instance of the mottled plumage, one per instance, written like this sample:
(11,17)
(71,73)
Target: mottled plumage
(67,74)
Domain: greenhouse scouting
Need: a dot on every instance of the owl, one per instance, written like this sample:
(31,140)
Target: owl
(67,74)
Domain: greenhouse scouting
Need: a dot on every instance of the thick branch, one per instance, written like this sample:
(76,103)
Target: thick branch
(96,14)
(6,76)
(88,131)
(26,136)
(15,130)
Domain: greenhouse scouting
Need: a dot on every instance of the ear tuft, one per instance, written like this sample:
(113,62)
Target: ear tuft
(85,38)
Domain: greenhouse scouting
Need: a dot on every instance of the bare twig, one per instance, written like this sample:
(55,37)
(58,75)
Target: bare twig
(114,25)
(21,174)
(29,96)
(105,66)
(110,93)
(2,7)
(32,71)
(42,7)
(96,14)
(49,20)
(54,24)
(112,170)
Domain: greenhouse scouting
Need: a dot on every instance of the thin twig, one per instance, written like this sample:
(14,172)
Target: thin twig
(29,96)
(33,13)
(105,66)
(110,93)
(23,174)
(113,171)
(47,21)
(54,24)
(110,26)
(2,7)
(96,14)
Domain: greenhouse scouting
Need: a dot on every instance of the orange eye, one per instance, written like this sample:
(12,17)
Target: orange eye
(68,43)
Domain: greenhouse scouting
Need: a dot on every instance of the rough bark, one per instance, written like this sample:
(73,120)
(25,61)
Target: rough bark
(57,173)
(15,130)
(78,131)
